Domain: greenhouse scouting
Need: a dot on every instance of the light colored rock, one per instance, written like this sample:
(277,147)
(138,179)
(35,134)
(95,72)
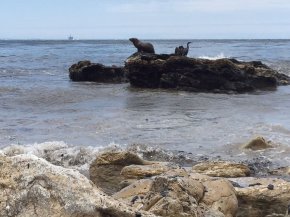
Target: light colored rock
(258,143)
(220,195)
(256,200)
(165,196)
(134,193)
(282,171)
(179,196)
(142,171)
(222,169)
(123,158)
(32,187)
(105,170)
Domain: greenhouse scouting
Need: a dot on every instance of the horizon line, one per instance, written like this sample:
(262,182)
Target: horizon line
(121,39)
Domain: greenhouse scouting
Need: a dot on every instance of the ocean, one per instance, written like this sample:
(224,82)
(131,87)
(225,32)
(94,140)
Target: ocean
(41,109)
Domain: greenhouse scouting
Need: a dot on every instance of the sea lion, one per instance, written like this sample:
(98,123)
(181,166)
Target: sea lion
(142,46)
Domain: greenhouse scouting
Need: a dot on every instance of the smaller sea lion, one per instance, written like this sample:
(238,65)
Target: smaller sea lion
(142,46)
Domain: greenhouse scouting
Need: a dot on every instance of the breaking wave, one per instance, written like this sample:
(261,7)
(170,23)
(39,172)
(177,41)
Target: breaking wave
(219,56)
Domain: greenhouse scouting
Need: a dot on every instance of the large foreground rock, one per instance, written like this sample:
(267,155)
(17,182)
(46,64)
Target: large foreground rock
(32,187)
(223,75)
(87,71)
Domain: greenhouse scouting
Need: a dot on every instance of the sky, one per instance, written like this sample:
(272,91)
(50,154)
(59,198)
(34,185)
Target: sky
(147,19)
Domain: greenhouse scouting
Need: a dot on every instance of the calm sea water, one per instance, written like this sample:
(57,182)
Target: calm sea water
(39,104)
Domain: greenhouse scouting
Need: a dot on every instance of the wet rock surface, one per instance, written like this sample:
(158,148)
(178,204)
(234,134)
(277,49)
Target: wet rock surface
(258,143)
(183,73)
(87,71)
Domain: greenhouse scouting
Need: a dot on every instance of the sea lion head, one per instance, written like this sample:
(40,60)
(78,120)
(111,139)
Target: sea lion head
(133,40)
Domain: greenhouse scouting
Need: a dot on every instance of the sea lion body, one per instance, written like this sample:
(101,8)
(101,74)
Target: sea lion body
(142,46)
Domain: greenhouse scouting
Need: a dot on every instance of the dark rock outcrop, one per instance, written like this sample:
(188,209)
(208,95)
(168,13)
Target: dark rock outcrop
(183,73)
(87,71)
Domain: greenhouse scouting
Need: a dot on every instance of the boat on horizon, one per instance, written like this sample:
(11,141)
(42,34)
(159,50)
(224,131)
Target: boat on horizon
(70,38)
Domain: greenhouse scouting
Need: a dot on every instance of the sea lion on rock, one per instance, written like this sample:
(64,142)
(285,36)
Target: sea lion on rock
(142,46)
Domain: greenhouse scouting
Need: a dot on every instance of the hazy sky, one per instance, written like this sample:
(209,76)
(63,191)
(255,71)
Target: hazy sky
(149,19)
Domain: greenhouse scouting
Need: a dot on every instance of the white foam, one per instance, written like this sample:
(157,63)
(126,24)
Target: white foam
(58,153)
(219,56)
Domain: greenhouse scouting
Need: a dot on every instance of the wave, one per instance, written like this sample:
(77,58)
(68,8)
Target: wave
(58,153)
(219,56)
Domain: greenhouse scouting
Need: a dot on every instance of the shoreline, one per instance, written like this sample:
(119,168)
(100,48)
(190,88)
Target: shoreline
(120,175)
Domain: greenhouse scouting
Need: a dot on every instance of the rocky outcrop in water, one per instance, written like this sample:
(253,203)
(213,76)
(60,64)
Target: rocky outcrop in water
(183,73)
(87,71)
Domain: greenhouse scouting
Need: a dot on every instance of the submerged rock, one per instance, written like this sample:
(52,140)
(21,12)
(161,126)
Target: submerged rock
(87,71)
(30,186)
(222,169)
(258,143)
(223,75)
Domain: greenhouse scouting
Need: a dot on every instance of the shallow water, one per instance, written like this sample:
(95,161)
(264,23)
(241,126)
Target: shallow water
(39,104)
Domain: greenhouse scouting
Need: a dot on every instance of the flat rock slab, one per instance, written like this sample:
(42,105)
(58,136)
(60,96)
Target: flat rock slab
(200,75)
(222,169)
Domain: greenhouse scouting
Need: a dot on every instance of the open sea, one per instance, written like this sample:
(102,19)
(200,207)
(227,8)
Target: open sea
(41,109)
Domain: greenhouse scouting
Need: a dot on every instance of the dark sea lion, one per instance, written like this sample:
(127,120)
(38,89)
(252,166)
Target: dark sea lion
(142,46)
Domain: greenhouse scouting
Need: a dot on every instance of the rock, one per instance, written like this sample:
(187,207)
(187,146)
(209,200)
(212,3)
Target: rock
(257,200)
(177,72)
(281,171)
(165,196)
(87,71)
(32,187)
(258,143)
(105,170)
(180,196)
(222,169)
(220,195)
(143,171)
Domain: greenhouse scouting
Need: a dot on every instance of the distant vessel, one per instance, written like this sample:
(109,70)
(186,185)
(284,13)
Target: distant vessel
(70,38)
